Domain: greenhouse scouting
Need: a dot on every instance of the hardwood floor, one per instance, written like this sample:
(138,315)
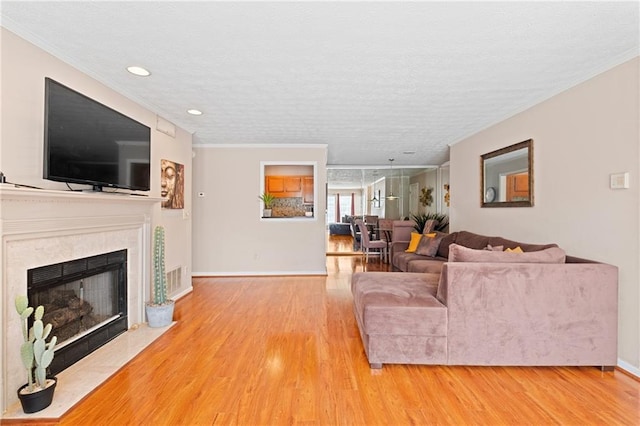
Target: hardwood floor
(286,350)
(342,245)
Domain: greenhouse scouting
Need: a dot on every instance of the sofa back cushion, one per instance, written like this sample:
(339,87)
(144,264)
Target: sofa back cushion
(402,230)
(430,243)
(458,253)
(476,241)
(499,241)
(443,249)
(463,238)
(471,240)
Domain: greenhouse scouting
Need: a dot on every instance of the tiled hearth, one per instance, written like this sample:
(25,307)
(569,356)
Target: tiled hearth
(41,227)
(83,377)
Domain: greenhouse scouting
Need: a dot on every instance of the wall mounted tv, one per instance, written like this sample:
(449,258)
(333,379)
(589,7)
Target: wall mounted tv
(89,143)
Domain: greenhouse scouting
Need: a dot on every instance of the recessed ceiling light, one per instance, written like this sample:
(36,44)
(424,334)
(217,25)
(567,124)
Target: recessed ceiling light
(194,111)
(139,71)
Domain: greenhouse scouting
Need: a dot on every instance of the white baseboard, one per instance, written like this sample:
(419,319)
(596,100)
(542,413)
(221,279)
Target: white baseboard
(629,368)
(182,293)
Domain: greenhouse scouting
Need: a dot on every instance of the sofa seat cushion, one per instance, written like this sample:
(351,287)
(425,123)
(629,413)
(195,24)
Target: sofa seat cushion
(430,265)
(399,304)
(401,260)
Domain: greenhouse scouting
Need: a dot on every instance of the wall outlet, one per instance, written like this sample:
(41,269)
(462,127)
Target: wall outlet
(619,180)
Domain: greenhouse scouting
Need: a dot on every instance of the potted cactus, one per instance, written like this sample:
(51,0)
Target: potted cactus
(267,199)
(36,355)
(160,309)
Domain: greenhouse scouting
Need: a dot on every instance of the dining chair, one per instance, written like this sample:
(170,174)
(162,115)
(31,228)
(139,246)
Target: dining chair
(355,233)
(371,221)
(367,243)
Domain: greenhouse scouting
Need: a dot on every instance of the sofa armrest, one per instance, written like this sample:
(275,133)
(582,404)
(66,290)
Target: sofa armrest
(397,246)
(531,314)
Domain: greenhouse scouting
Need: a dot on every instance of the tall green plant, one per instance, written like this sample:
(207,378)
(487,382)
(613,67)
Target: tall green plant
(36,354)
(422,218)
(159,275)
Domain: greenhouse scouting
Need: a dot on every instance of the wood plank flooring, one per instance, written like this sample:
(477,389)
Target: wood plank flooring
(286,351)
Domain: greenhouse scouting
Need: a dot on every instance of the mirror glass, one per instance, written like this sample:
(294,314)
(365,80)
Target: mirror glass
(507,176)
(368,190)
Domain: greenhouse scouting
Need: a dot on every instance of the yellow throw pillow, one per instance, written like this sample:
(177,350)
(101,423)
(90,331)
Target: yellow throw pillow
(413,244)
(431,234)
(515,250)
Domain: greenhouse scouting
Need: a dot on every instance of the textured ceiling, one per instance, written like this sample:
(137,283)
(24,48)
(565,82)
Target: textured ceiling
(361,177)
(370,80)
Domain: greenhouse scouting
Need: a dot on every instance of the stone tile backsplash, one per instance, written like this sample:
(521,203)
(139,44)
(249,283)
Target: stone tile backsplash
(287,207)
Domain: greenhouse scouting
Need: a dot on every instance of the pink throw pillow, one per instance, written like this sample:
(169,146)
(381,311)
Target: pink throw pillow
(458,253)
(429,245)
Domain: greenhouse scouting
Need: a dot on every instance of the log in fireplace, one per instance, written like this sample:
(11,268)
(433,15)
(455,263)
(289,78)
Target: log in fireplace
(85,300)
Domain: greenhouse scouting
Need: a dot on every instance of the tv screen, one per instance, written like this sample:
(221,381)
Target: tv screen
(89,143)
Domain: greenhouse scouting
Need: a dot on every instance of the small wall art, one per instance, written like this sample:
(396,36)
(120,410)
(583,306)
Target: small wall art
(172,184)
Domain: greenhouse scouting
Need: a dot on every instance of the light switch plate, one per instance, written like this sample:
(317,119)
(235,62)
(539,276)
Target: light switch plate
(619,180)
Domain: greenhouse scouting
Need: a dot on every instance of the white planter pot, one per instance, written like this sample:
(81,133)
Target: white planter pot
(160,315)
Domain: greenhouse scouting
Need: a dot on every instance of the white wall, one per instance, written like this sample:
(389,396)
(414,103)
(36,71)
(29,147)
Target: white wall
(580,137)
(230,236)
(24,67)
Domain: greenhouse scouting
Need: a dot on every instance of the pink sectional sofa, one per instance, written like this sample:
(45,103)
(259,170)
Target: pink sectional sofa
(412,262)
(491,308)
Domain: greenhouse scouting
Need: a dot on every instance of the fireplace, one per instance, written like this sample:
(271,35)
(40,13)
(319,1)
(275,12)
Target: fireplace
(85,301)
(49,227)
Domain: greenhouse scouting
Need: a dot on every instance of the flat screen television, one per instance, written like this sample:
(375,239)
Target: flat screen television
(87,142)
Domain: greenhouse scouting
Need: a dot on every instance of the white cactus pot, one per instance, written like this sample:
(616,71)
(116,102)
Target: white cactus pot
(160,315)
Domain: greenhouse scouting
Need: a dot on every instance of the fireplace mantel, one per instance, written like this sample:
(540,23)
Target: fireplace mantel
(33,210)
(68,201)
(42,226)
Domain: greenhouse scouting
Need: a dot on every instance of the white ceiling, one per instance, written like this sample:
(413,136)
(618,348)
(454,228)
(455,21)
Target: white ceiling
(369,79)
(360,177)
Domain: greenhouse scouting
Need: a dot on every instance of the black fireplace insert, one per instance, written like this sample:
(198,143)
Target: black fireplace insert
(85,300)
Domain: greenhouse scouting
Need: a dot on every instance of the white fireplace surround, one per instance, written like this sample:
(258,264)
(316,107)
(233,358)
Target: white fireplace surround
(42,227)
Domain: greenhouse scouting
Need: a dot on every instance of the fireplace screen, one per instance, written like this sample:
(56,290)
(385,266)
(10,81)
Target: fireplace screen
(85,302)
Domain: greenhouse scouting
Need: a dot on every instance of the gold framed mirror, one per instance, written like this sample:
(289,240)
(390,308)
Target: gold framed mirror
(507,176)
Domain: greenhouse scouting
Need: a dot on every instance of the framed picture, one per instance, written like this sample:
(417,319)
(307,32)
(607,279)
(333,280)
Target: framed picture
(172,184)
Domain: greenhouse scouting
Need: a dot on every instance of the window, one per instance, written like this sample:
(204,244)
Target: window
(346,207)
(292,189)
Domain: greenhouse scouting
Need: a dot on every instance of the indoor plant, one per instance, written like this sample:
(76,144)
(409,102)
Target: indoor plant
(36,355)
(421,220)
(267,199)
(160,309)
